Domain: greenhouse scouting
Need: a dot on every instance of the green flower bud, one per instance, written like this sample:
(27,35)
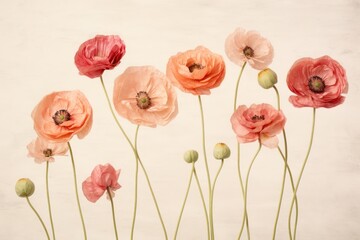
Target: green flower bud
(221,151)
(191,156)
(24,187)
(267,78)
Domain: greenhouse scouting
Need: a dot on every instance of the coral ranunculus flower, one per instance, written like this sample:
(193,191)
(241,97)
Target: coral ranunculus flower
(196,71)
(145,96)
(99,54)
(103,177)
(249,46)
(42,150)
(258,122)
(317,82)
(61,115)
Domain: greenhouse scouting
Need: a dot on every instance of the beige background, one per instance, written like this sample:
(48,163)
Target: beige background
(38,43)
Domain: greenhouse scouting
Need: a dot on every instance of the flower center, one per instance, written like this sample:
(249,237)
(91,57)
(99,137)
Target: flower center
(256,118)
(194,66)
(316,84)
(248,52)
(143,101)
(61,116)
(47,152)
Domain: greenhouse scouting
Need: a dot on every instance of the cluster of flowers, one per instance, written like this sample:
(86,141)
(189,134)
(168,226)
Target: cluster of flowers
(146,97)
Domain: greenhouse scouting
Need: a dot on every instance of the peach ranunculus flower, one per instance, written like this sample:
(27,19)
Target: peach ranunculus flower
(258,122)
(42,150)
(103,177)
(317,82)
(249,46)
(196,71)
(61,115)
(99,54)
(145,96)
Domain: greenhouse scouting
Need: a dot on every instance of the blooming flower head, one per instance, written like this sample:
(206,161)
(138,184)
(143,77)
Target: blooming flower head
(103,178)
(258,122)
(317,82)
(42,150)
(145,96)
(99,54)
(61,115)
(196,71)
(249,46)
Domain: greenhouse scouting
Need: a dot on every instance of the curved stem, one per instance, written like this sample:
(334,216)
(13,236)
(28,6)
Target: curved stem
(113,212)
(76,191)
(48,200)
(183,205)
(246,189)
(237,84)
(203,202)
(212,201)
(278,97)
(204,147)
(136,186)
(302,170)
(37,214)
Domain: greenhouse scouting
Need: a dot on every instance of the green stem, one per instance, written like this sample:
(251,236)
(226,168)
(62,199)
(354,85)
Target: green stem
(48,200)
(302,170)
(113,212)
(76,191)
(186,196)
(204,147)
(203,202)
(136,155)
(237,84)
(246,189)
(278,97)
(136,186)
(211,213)
(37,214)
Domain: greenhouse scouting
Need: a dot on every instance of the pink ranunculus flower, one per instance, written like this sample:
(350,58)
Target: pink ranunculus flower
(42,150)
(196,71)
(145,96)
(61,115)
(317,82)
(102,178)
(249,46)
(258,122)
(99,54)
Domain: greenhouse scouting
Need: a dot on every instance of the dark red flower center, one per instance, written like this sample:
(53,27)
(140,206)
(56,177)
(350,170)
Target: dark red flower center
(316,84)
(47,152)
(143,101)
(194,66)
(248,52)
(61,116)
(256,118)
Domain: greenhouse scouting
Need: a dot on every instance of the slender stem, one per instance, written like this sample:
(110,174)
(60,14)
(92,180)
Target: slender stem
(113,212)
(203,202)
(186,196)
(246,189)
(204,147)
(136,186)
(277,96)
(37,214)
(238,152)
(48,200)
(212,201)
(136,155)
(302,170)
(76,191)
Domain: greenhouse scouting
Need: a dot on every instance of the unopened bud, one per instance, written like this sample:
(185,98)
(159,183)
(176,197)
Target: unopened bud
(267,78)
(191,156)
(221,151)
(24,187)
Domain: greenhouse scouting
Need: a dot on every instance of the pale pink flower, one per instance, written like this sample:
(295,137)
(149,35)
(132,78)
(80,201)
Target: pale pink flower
(145,96)
(102,178)
(61,115)
(317,82)
(196,71)
(99,54)
(42,150)
(258,122)
(249,46)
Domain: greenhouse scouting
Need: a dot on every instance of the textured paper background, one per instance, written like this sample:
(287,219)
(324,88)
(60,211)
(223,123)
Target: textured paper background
(38,43)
